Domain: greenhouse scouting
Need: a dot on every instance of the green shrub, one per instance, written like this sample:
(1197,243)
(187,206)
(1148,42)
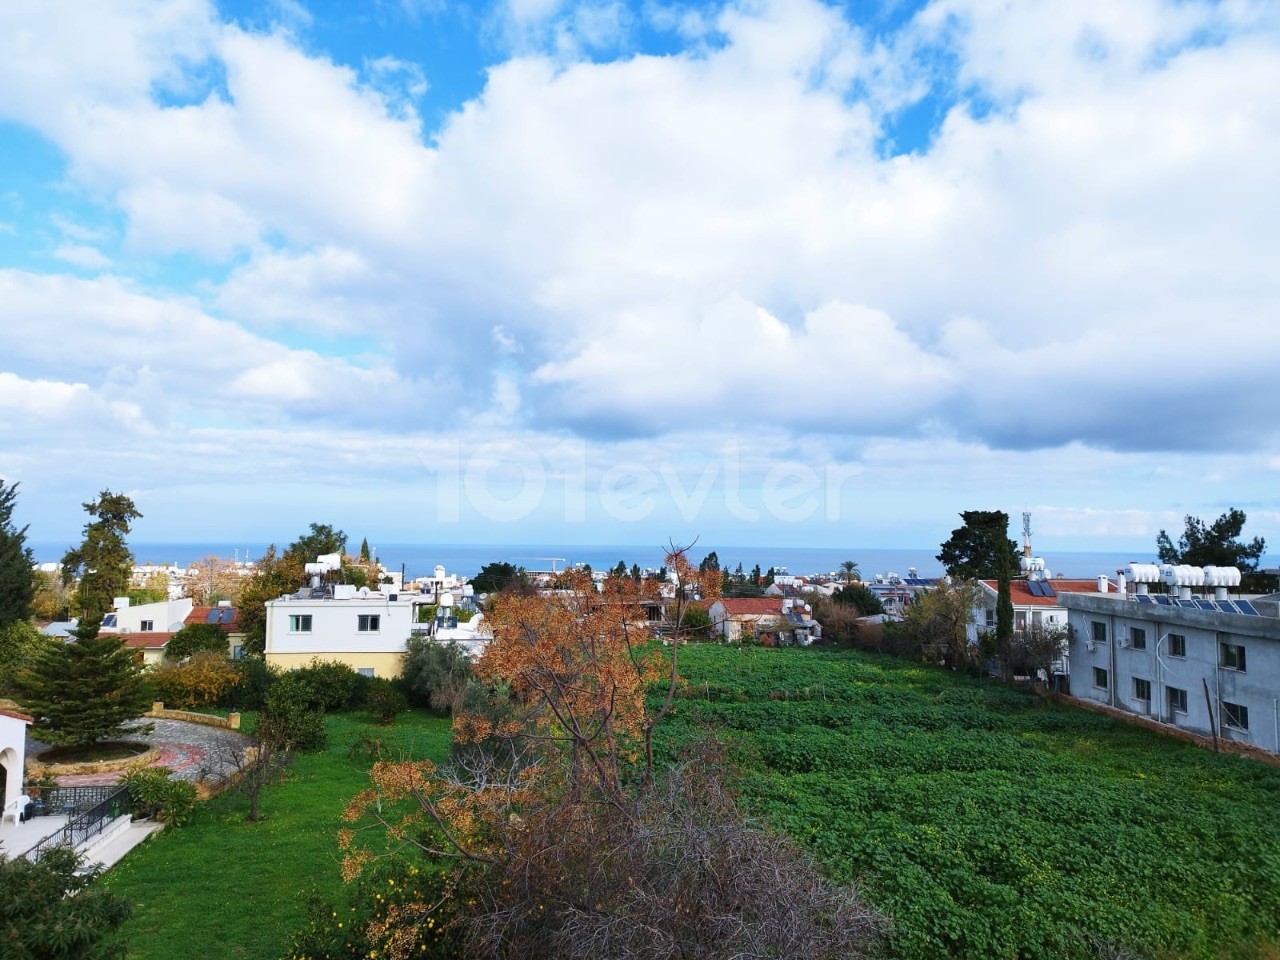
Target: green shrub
(52,912)
(205,679)
(196,638)
(254,678)
(153,793)
(436,674)
(350,926)
(385,701)
(331,685)
(289,720)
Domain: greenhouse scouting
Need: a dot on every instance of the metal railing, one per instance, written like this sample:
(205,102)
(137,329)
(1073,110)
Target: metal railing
(67,801)
(88,822)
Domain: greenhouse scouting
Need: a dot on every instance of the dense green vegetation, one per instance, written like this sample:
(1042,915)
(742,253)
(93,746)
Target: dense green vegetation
(988,822)
(220,887)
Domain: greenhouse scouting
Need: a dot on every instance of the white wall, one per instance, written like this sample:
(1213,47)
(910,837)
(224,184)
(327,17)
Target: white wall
(166,616)
(13,751)
(335,625)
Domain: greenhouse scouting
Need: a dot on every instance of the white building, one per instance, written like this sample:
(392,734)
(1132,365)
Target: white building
(1201,662)
(13,751)
(167,616)
(365,629)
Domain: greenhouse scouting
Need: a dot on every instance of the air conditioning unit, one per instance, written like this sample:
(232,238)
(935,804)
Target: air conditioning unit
(1123,642)
(1090,646)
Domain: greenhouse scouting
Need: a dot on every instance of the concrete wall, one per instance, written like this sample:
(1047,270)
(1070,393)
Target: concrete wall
(1257,687)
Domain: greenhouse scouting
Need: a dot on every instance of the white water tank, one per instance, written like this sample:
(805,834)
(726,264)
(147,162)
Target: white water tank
(1143,572)
(446,600)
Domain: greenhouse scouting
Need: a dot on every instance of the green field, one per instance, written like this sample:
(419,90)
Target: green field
(988,822)
(222,888)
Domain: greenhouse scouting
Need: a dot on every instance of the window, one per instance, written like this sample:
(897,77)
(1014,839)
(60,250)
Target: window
(1235,716)
(1141,689)
(299,623)
(991,618)
(1177,645)
(1099,632)
(237,652)
(365,671)
(1138,640)
(1177,699)
(368,623)
(1100,678)
(1231,656)
(147,626)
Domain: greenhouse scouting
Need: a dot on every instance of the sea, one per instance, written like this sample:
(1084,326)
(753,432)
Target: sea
(419,559)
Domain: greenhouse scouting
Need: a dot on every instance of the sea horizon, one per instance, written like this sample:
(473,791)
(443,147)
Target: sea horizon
(466,559)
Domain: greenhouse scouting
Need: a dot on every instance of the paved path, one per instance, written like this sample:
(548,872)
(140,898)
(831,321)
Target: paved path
(191,750)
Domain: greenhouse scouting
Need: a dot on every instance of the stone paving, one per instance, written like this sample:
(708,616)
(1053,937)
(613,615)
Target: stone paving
(192,751)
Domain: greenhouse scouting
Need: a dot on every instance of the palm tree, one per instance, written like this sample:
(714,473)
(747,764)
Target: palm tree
(850,570)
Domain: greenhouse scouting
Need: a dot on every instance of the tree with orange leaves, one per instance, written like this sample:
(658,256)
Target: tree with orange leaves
(553,810)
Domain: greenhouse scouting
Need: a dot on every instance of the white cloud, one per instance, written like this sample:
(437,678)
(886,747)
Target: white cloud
(1081,258)
(82,255)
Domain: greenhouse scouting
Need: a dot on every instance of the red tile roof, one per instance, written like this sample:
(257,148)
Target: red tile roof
(1022,597)
(752,606)
(201,615)
(16,715)
(145,641)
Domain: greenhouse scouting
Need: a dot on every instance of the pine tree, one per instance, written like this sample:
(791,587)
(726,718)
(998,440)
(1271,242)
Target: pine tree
(365,555)
(103,562)
(85,691)
(17,578)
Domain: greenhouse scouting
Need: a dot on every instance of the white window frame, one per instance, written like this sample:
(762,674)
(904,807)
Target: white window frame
(368,623)
(365,671)
(147,626)
(299,623)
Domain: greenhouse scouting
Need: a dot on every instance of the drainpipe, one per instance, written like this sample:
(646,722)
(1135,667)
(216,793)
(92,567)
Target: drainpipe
(1115,679)
(1275,706)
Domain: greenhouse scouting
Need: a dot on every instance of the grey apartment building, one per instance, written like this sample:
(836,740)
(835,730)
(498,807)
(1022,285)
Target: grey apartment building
(1180,659)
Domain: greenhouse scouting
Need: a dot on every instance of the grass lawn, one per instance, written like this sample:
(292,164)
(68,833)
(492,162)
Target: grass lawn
(988,822)
(222,888)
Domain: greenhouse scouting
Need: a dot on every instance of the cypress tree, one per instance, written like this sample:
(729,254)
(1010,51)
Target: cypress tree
(365,555)
(17,578)
(1004,603)
(85,691)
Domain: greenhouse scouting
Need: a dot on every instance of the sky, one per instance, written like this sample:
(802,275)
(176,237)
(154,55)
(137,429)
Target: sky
(533,271)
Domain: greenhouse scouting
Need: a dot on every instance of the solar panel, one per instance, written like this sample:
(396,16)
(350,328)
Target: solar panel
(1206,605)
(1047,587)
(228,614)
(1144,598)
(1247,608)
(1161,600)
(211,616)
(1033,586)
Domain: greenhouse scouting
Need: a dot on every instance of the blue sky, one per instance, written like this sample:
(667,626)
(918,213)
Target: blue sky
(552,271)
